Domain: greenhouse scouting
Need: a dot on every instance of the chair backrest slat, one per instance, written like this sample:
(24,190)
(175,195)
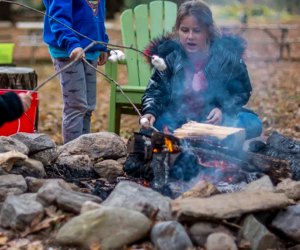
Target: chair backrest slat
(138,27)
(170,13)
(142,38)
(156,19)
(129,39)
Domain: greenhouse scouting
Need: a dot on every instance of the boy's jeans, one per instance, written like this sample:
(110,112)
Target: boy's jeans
(78,84)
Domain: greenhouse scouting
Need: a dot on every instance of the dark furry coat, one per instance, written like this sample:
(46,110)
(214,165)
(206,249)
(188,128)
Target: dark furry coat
(11,107)
(229,86)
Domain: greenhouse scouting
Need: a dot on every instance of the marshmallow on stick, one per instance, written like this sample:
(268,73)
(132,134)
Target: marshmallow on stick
(158,63)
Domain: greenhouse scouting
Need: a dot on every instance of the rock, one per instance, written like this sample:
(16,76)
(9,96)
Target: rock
(201,230)
(47,157)
(34,184)
(262,184)
(288,222)
(8,159)
(170,235)
(35,142)
(75,161)
(59,194)
(29,167)
(109,169)
(108,227)
(72,201)
(50,190)
(11,144)
(290,188)
(258,235)
(11,185)
(122,160)
(88,206)
(130,194)
(103,145)
(224,206)
(220,241)
(18,212)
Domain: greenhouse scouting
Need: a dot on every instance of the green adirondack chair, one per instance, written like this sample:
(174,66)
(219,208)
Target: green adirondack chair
(138,27)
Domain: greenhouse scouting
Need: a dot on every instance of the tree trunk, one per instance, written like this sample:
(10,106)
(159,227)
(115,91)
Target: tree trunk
(112,7)
(5,12)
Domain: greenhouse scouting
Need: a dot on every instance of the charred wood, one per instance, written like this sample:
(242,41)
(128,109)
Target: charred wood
(284,144)
(249,162)
(277,169)
(282,148)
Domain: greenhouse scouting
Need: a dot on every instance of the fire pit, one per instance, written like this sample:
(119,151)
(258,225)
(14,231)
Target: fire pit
(177,164)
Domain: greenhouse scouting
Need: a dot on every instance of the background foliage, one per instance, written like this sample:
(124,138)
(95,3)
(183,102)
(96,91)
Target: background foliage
(230,8)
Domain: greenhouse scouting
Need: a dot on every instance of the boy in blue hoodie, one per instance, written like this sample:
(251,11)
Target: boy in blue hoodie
(78,82)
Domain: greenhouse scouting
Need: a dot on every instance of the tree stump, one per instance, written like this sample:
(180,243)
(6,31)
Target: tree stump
(17,78)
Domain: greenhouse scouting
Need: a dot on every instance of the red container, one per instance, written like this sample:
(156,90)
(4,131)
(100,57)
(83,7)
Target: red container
(26,122)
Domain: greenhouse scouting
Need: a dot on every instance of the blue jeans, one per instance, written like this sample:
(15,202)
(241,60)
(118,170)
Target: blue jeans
(78,85)
(247,120)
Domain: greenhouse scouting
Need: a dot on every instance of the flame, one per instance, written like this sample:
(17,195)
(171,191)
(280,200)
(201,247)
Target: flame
(144,183)
(169,145)
(155,150)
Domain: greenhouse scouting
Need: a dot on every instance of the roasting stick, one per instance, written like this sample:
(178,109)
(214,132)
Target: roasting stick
(122,91)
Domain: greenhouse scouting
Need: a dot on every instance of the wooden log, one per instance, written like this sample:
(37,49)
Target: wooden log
(220,135)
(17,78)
(276,169)
(201,189)
(284,144)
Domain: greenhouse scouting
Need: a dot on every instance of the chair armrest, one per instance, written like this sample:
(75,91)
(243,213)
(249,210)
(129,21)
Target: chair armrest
(111,70)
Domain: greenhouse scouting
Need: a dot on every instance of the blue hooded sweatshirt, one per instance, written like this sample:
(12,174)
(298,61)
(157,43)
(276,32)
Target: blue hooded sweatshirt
(84,16)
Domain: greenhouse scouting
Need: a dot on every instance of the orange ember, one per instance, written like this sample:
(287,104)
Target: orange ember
(169,145)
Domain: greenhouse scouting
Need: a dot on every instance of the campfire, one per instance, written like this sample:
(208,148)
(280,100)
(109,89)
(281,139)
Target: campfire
(202,152)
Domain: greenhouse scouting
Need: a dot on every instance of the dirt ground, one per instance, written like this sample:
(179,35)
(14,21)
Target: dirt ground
(275,97)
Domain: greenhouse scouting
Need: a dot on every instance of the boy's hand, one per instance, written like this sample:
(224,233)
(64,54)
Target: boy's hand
(77,53)
(102,58)
(26,99)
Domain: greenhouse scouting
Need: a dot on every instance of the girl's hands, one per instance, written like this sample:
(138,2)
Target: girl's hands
(215,116)
(147,120)
(26,99)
